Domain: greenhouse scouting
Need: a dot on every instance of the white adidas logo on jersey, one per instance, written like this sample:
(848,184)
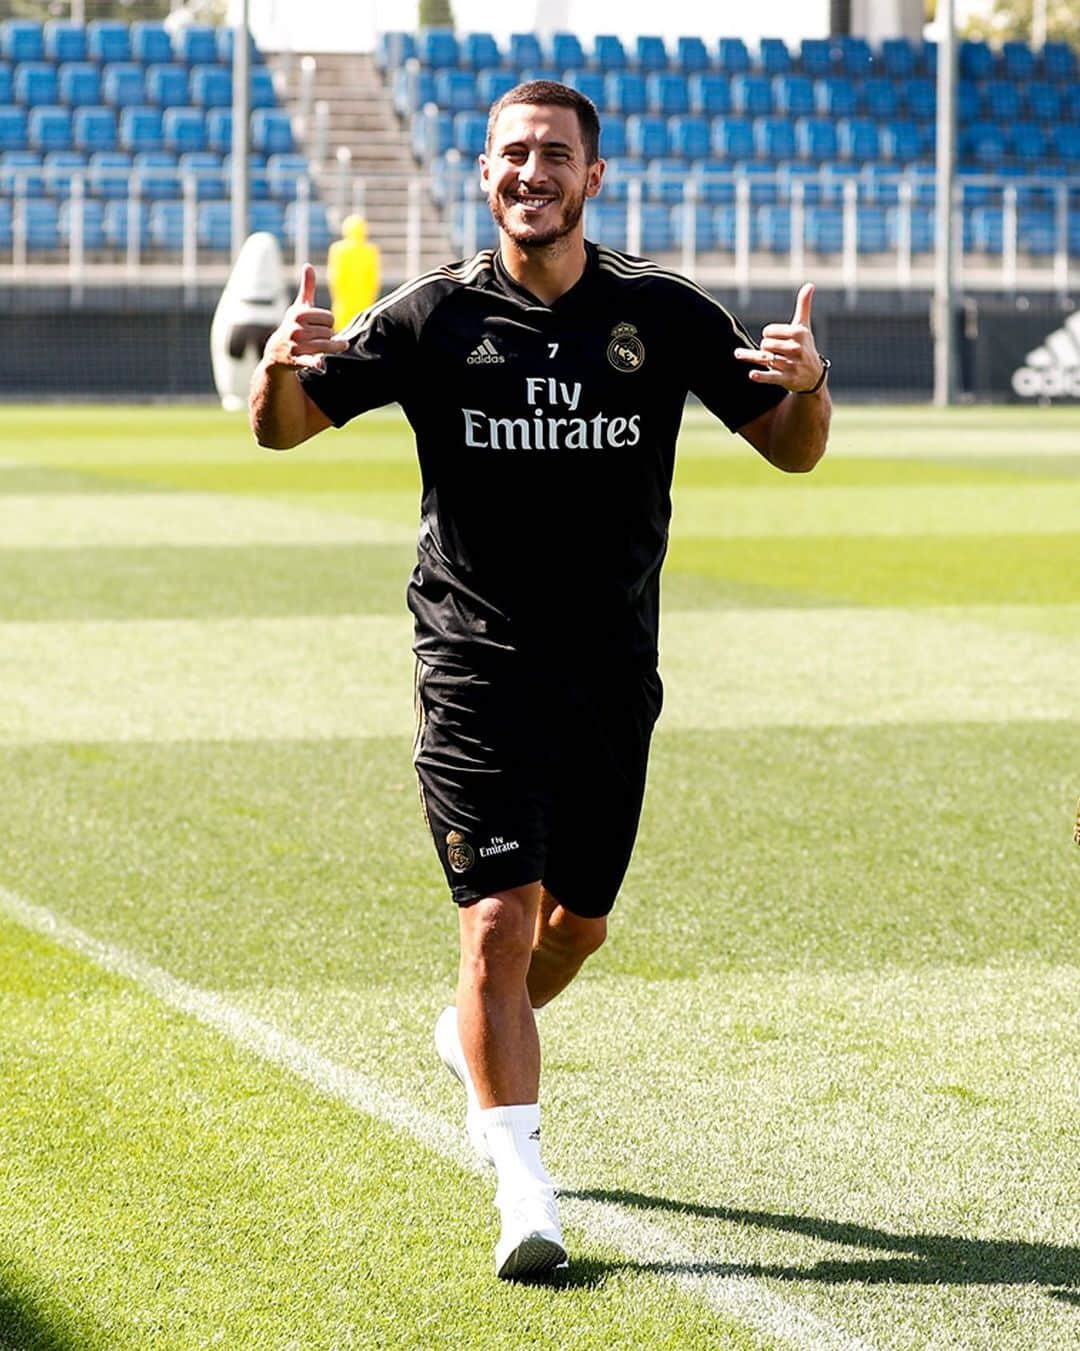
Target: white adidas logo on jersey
(485,354)
(1052,370)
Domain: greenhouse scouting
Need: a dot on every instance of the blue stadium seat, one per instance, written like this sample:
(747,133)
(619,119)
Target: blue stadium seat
(657,235)
(984,230)
(165,226)
(1028,142)
(482,233)
(437,48)
(1017,61)
(1059,61)
(1065,139)
(853,56)
(620,171)
(60,168)
(901,140)
(184,129)
(606,224)
(93,129)
(140,130)
(219,130)
(702,221)
(320,236)
(984,142)
(469,132)
(667,94)
(922,228)
(774,138)
(590,83)
(713,181)
(394,49)
(211,86)
(64,41)
(732,56)
(431,133)
(801,175)
(691,55)
(42,224)
(763,178)
(608,53)
(158,174)
(566,52)
(919,97)
(109,173)
(480,51)
(258,176)
(898,57)
(824,229)
(262,91)
(816,57)
(725,228)
(710,94)
(872,230)
(126,224)
(793,95)
(223,41)
(524,51)
(492,84)
(690,137)
(21,174)
(613,136)
(976,60)
(1044,101)
(537,73)
(166,84)
(665,179)
(774,57)
(733,138)
(49,128)
(151,44)
(79,84)
(858,138)
(968,101)
(36,84)
(6,223)
(196,45)
(1037,232)
(815,138)
(880,98)
(271,131)
(269,217)
(627,93)
(455,91)
(1003,100)
(7,87)
(647,135)
(751,95)
(774,228)
(835,178)
(108,41)
(978,190)
(650,53)
(836,96)
(284,171)
(89,218)
(22,40)
(123,84)
(213,229)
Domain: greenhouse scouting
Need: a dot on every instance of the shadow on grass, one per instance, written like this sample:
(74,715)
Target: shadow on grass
(913,1259)
(26,1327)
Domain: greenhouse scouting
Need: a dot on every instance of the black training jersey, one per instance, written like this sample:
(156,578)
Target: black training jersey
(546,438)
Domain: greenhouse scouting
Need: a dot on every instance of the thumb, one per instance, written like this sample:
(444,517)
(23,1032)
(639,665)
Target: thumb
(802,305)
(306,293)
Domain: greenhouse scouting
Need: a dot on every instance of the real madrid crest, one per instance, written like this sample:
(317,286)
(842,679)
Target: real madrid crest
(459,855)
(626,351)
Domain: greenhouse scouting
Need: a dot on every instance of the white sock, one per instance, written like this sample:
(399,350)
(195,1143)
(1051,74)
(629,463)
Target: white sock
(513,1136)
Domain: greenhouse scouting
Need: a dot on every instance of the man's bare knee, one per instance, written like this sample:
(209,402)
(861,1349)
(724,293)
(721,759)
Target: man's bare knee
(572,935)
(497,931)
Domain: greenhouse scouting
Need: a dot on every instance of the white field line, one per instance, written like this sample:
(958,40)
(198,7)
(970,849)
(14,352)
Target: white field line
(735,1296)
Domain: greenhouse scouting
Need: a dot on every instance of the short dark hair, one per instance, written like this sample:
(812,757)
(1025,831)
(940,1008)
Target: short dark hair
(562,96)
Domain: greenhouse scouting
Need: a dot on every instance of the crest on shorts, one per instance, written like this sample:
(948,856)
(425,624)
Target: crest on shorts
(626,351)
(459,854)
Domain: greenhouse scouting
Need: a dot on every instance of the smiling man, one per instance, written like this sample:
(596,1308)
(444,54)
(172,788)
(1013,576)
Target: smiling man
(545,381)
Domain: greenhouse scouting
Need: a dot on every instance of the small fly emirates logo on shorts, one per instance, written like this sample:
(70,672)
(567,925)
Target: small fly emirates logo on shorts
(497,846)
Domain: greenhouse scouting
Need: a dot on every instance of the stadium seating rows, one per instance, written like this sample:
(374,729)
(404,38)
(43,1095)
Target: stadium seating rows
(110,110)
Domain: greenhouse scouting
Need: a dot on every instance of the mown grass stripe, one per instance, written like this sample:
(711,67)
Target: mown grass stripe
(738,1296)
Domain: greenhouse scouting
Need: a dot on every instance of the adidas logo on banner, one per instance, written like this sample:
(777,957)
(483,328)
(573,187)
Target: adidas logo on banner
(1052,371)
(485,354)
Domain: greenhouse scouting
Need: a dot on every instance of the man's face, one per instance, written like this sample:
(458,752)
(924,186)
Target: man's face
(535,174)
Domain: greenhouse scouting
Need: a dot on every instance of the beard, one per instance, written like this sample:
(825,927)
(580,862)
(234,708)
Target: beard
(530,236)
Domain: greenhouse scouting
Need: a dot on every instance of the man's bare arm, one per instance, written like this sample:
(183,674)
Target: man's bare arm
(793,435)
(280,413)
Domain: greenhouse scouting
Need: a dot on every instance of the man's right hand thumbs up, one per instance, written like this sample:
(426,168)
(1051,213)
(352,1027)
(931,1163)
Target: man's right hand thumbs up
(305,335)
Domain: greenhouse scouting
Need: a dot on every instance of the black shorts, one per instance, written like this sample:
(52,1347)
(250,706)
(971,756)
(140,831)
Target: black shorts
(529,775)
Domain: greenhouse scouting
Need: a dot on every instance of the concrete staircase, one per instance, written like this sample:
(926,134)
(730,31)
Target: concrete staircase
(375,178)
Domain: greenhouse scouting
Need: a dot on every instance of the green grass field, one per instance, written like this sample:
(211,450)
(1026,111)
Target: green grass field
(820,1089)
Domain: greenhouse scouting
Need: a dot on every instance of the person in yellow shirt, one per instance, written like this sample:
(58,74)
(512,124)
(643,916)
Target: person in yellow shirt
(352,271)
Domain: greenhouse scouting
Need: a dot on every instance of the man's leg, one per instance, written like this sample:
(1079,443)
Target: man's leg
(561,943)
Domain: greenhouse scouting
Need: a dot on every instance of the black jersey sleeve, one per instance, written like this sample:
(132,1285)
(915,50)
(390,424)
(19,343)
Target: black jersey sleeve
(721,383)
(371,372)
